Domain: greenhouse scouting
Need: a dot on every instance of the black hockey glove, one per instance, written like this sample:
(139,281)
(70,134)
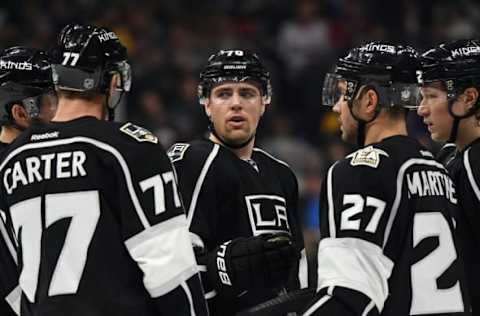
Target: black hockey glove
(256,262)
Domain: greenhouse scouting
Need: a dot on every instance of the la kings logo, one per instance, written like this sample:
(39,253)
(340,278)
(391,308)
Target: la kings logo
(267,213)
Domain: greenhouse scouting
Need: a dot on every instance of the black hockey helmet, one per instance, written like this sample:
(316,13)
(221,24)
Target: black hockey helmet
(25,76)
(456,65)
(391,70)
(237,66)
(85,58)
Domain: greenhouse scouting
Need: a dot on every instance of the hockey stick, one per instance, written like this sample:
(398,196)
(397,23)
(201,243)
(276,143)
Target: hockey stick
(290,302)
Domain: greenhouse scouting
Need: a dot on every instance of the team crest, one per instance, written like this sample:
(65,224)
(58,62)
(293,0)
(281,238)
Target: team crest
(177,151)
(368,156)
(139,133)
(267,214)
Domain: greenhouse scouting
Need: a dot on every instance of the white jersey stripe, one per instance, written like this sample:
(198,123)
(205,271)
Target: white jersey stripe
(369,307)
(331,207)
(317,305)
(7,240)
(101,145)
(471,178)
(199,183)
(270,156)
(398,196)
(189,296)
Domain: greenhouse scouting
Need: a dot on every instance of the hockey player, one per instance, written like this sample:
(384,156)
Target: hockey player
(94,204)
(450,107)
(387,246)
(26,96)
(241,202)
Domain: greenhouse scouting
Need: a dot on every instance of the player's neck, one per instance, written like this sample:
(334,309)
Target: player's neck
(376,131)
(468,131)
(70,109)
(243,153)
(8,134)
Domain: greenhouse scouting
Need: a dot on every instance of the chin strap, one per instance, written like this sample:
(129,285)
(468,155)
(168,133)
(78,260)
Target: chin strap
(361,129)
(457,119)
(212,130)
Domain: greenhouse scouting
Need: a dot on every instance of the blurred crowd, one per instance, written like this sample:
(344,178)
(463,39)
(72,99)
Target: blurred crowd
(169,41)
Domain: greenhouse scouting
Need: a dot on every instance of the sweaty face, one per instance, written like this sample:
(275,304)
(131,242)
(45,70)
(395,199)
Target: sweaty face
(348,125)
(235,110)
(434,110)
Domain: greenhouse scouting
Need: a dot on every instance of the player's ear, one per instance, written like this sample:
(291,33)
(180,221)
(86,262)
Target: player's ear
(471,97)
(115,82)
(206,106)
(369,102)
(20,115)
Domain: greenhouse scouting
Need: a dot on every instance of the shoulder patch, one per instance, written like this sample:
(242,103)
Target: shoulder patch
(139,133)
(368,156)
(177,151)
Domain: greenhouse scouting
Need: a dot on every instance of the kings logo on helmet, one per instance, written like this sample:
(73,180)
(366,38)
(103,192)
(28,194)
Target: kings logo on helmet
(466,51)
(7,65)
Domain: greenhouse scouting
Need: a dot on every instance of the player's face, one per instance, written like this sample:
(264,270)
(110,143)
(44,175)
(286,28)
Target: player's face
(235,109)
(434,110)
(348,125)
(48,107)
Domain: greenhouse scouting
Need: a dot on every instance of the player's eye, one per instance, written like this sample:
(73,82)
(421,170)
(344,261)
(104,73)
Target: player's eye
(223,94)
(247,93)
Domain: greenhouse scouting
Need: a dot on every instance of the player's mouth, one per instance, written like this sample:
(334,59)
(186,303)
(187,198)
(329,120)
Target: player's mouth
(236,120)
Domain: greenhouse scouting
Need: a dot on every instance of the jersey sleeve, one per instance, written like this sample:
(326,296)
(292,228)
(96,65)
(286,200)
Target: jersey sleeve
(299,274)
(155,230)
(471,195)
(355,202)
(192,166)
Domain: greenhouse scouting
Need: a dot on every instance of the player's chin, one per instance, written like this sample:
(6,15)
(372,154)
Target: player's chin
(238,137)
(438,137)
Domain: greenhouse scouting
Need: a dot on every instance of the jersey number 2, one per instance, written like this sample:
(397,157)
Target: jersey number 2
(426,297)
(83,208)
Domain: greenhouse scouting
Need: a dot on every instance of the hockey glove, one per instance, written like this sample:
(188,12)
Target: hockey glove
(256,262)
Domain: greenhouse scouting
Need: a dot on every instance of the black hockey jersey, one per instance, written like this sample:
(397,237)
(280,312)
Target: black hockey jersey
(9,290)
(227,197)
(99,222)
(464,169)
(387,242)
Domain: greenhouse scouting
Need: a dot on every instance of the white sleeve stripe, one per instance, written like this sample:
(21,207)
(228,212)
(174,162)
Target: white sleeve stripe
(8,241)
(398,195)
(303,270)
(368,308)
(14,299)
(317,305)
(153,231)
(100,145)
(364,268)
(471,178)
(189,296)
(331,206)
(164,253)
(202,268)
(199,183)
(210,294)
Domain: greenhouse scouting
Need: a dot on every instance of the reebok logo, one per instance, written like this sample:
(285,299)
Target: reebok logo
(44,136)
(7,65)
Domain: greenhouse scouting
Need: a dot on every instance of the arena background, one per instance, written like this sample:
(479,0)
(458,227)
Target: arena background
(169,40)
